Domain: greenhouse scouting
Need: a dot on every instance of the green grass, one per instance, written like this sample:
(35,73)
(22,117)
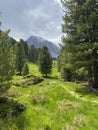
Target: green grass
(51,106)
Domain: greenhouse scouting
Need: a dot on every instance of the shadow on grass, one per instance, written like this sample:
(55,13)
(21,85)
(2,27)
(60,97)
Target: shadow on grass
(10,107)
(50,77)
(11,115)
(20,122)
(85,90)
(13,123)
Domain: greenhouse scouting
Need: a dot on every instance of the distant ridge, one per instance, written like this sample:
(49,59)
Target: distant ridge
(39,42)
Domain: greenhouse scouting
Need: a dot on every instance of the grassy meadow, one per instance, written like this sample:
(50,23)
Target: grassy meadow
(51,104)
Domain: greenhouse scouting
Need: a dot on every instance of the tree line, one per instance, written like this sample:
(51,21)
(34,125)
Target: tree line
(14,58)
(25,54)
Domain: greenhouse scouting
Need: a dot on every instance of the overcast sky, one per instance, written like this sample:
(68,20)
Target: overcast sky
(32,17)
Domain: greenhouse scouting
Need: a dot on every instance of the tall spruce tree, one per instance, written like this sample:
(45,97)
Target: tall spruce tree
(81,40)
(45,61)
(20,57)
(25,45)
(7,60)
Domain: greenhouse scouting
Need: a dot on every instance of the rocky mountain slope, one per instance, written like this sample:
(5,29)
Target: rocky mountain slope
(39,42)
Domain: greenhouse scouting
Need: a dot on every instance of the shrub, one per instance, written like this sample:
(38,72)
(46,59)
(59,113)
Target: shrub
(18,108)
(10,106)
(67,74)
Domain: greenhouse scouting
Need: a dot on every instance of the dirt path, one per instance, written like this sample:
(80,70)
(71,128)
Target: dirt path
(79,96)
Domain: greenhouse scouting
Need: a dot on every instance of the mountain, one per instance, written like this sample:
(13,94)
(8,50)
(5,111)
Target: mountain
(39,42)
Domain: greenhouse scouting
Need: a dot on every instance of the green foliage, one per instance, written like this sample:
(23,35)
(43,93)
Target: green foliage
(20,57)
(10,107)
(45,61)
(25,69)
(25,45)
(81,40)
(67,74)
(12,41)
(33,54)
(7,60)
(65,65)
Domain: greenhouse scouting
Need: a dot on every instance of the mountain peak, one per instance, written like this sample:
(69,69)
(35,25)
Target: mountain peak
(39,42)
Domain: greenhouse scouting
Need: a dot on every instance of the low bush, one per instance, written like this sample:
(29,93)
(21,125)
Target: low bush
(10,106)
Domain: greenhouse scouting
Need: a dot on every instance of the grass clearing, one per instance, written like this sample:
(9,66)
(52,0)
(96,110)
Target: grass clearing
(51,106)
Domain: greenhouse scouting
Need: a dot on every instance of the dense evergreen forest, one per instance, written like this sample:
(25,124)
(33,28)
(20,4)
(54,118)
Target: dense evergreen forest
(38,92)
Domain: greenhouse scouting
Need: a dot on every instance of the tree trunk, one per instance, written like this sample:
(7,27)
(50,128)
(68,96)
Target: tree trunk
(95,70)
(90,77)
(46,75)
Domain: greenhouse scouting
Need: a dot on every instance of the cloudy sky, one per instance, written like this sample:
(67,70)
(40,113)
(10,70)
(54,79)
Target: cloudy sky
(32,17)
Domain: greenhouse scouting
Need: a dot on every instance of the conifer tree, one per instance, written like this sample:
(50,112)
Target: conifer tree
(25,45)
(81,40)
(33,54)
(20,57)
(25,69)
(7,60)
(45,61)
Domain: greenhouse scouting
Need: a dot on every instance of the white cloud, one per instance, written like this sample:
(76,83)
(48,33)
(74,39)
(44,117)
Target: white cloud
(29,17)
(58,1)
